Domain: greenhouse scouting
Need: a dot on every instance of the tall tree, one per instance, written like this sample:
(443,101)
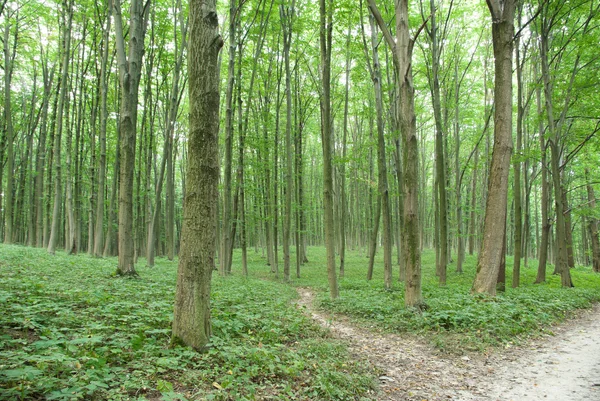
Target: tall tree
(99,229)
(130,67)
(287,18)
(490,256)
(54,232)
(191,319)
(325,41)
(402,49)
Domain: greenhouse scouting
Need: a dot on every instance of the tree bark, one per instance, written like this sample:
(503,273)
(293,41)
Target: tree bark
(411,239)
(325,35)
(129,76)
(593,226)
(54,231)
(191,318)
(490,256)
(384,197)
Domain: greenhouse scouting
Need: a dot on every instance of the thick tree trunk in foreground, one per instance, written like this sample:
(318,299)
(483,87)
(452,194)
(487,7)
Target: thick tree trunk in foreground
(191,319)
(490,256)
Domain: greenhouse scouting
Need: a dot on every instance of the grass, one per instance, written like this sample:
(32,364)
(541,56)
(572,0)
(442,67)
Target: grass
(70,329)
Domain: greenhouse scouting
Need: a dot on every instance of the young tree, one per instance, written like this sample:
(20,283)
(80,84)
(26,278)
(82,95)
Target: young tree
(191,319)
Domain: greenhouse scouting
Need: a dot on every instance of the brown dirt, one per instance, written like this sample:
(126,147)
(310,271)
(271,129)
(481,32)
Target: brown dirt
(563,367)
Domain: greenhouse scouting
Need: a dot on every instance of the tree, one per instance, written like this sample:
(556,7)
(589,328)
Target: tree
(287,19)
(593,225)
(191,319)
(490,257)
(130,67)
(52,242)
(99,229)
(402,49)
(325,39)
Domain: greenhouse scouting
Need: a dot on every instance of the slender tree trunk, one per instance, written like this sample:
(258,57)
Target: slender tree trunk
(9,55)
(326,31)
(439,151)
(543,247)
(225,263)
(108,243)
(54,232)
(561,264)
(518,224)
(287,16)
(99,229)
(373,242)
(381,163)
(593,226)
(41,156)
(129,75)
(344,203)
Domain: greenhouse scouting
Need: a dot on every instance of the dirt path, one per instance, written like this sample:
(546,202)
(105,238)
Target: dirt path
(565,367)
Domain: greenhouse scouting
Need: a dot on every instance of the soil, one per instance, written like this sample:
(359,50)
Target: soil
(564,366)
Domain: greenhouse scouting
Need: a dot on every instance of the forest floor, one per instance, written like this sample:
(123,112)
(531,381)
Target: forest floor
(563,364)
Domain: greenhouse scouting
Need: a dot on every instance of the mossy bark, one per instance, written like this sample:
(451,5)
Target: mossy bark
(191,319)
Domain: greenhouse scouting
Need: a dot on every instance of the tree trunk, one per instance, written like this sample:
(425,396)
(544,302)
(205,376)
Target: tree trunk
(326,30)
(543,248)
(373,242)
(490,256)
(593,226)
(129,75)
(99,229)
(439,151)
(287,16)
(191,318)
(381,163)
(518,223)
(225,263)
(54,232)
(561,264)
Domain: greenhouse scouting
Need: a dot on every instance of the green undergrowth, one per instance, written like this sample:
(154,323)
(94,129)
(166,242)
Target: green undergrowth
(70,329)
(455,321)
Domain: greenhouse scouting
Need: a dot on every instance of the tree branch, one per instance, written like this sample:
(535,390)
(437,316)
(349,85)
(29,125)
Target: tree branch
(382,25)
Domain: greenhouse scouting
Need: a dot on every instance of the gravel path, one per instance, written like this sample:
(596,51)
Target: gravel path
(563,367)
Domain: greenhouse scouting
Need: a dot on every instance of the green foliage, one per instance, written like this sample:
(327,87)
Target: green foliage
(71,330)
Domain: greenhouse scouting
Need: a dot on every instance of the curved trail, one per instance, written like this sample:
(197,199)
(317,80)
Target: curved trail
(565,367)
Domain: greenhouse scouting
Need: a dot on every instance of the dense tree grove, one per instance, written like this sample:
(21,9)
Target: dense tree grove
(462,126)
